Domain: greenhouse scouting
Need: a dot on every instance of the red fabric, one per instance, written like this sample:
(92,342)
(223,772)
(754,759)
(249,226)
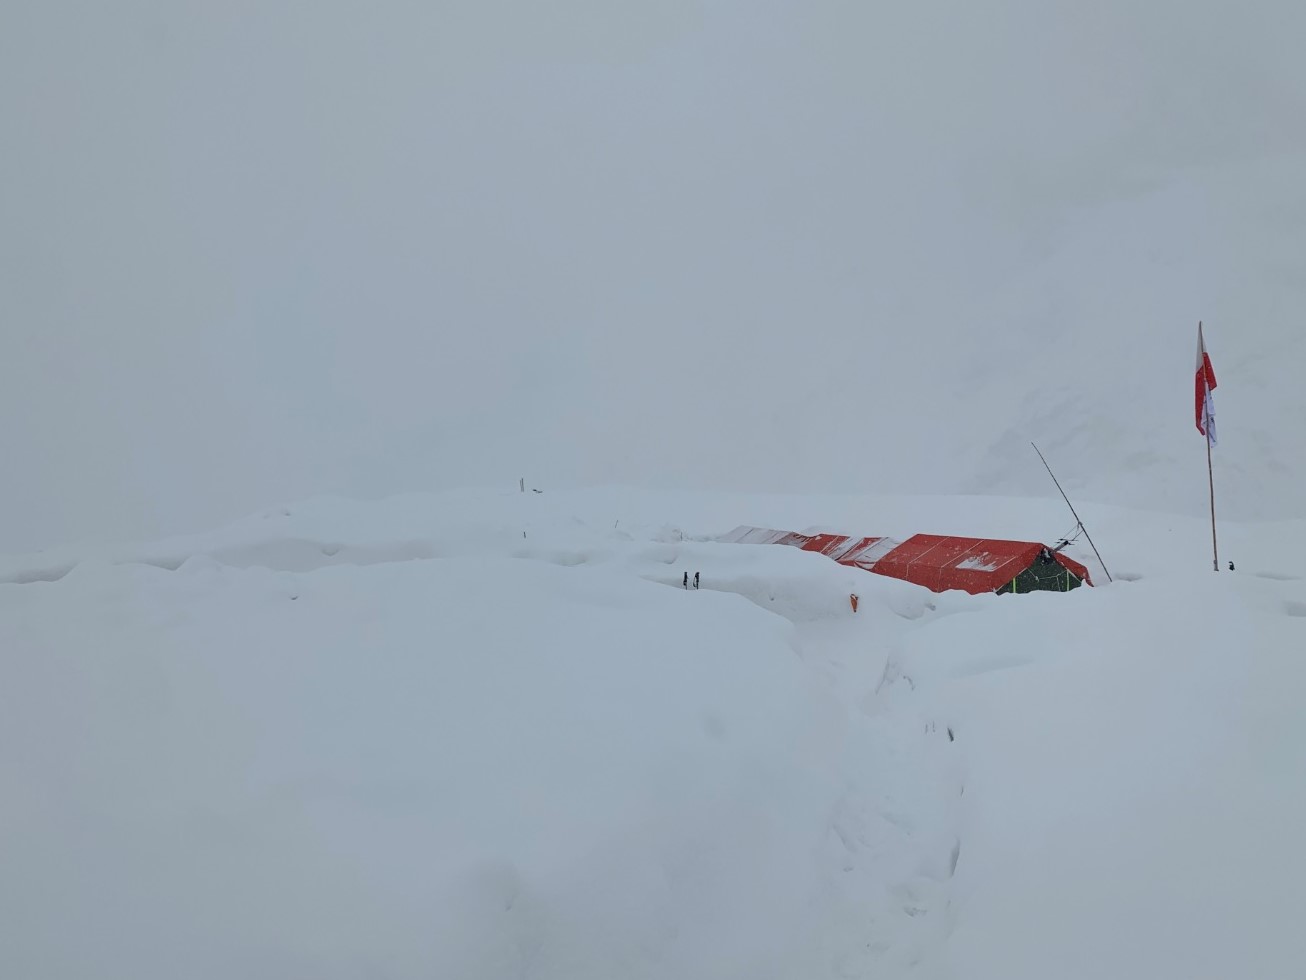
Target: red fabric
(1073,565)
(938,562)
(973,565)
(826,544)
(1205,379)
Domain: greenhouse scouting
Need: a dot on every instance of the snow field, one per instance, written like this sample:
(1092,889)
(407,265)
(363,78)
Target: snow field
(401,739)
(472,767)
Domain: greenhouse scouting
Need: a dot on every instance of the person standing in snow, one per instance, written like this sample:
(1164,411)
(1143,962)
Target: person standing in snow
(696,580)
(685,580)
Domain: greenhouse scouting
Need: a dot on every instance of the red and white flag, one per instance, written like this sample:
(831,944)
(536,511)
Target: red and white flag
(1205,385)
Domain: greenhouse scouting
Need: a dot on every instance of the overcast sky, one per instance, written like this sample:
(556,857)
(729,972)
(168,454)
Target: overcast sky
(254,251)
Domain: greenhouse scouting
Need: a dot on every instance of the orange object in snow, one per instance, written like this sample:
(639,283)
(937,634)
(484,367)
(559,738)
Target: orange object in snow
(853,599)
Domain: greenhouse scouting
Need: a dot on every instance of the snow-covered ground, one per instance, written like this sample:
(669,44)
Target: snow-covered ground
(488,735)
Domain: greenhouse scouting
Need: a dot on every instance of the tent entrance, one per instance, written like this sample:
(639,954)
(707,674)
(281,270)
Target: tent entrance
(1045,574)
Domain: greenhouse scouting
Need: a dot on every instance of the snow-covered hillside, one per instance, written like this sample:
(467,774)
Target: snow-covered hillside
(489,735)
(1086,349)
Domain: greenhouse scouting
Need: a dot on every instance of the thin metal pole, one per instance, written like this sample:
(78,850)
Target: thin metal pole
(1210,479)
(1073,514)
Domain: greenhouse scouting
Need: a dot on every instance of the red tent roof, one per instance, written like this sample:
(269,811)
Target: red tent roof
(938,562)
(973,565)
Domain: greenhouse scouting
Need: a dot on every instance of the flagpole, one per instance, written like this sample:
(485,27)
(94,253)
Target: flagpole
(1210,475)
(1210,478)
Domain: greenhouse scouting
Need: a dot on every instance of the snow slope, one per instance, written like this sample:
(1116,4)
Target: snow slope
(1087,347)
(489,735)
(1134,791)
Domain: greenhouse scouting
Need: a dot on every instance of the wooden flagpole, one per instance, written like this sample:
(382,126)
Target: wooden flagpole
(1210,479)
(1206,425)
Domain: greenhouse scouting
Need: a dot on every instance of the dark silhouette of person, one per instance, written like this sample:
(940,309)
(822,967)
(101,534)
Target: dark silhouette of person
(685,580)
(696,580)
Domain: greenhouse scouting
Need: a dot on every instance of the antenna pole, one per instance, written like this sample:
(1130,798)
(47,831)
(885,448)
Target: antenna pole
(1073,514)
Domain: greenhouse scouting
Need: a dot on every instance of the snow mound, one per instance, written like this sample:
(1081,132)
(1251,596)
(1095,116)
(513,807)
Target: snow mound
(289,762)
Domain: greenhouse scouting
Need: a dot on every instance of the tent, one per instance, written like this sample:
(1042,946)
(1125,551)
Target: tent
(978,565)
(938,562)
